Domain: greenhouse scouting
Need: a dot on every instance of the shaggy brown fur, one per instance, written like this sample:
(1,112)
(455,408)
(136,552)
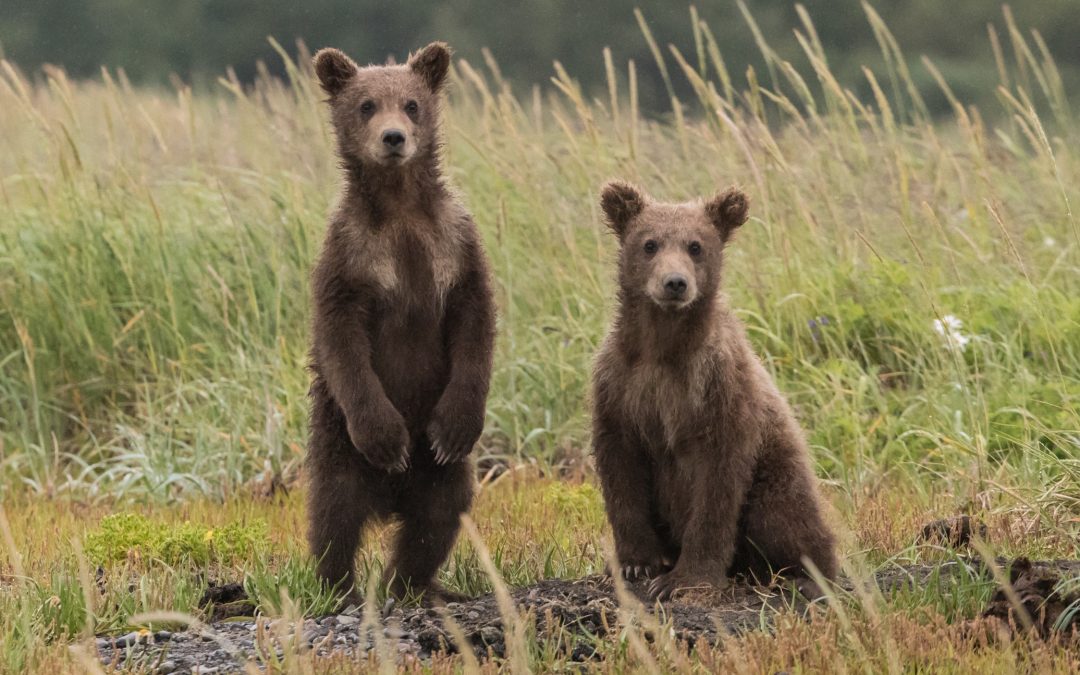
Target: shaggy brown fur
(704,469)
(403,328)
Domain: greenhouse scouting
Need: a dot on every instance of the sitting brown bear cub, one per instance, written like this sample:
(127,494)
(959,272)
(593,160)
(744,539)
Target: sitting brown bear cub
(703,467)
(403,329)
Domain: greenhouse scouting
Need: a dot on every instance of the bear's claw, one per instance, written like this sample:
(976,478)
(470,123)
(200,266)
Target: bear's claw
(633,572)
(449,442)
(443,454)
(663,587)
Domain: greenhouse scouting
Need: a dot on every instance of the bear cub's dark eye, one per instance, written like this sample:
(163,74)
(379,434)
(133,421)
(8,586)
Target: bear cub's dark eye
(694,248)
(651,246)
(367,107)
(412,107)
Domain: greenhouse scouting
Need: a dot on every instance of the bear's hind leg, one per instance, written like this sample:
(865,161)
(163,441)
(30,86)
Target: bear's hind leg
(430,508)
(784,520)
(343,495)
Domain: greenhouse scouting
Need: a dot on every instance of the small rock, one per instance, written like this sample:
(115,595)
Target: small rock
(473,615)
(127,640)
(225,593)
(955,532)
(394,632)
(433,640)
(490,635)
(346,620)
(166,667)
(162,636)
(582,652)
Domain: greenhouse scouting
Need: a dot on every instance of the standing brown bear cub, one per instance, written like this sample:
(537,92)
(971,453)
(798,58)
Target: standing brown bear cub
(403,329)
(703,467)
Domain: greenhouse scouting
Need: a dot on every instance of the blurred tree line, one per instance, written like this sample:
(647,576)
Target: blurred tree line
(198,39)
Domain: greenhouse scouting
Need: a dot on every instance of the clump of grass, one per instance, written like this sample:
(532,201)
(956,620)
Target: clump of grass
(290,586)
(129,537)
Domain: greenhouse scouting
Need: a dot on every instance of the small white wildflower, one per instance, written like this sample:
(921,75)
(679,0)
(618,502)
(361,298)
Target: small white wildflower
(1050,242)
(949,327)
(947,324)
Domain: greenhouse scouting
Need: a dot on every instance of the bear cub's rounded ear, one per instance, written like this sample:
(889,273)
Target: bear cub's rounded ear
(728,210)
(432,63)
(334,69)
(621,202)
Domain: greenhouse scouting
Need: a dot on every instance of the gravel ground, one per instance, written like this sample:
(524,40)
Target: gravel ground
(584,609)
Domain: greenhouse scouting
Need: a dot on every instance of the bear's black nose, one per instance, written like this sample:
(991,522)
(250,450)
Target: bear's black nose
(392,138)
(675,284)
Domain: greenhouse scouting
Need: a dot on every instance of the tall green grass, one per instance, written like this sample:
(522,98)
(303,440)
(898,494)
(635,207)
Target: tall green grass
(155,248)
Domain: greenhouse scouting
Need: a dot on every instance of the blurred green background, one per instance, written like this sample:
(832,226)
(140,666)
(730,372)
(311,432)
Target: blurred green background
(198,40)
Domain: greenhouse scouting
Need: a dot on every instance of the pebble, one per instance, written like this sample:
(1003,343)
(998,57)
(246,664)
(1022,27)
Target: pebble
(127,640)
(490,635)
(346,620)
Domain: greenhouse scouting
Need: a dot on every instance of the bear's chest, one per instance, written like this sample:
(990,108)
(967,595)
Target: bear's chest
(665,404)
(413,264)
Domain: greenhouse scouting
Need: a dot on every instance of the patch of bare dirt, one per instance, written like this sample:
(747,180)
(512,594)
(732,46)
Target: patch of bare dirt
(581,612)
(587,609)
(1040,598)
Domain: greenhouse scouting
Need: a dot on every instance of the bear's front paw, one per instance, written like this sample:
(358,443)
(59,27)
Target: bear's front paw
(642,568)
(642,560)
(665,586)
(454,428)
(382,439)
